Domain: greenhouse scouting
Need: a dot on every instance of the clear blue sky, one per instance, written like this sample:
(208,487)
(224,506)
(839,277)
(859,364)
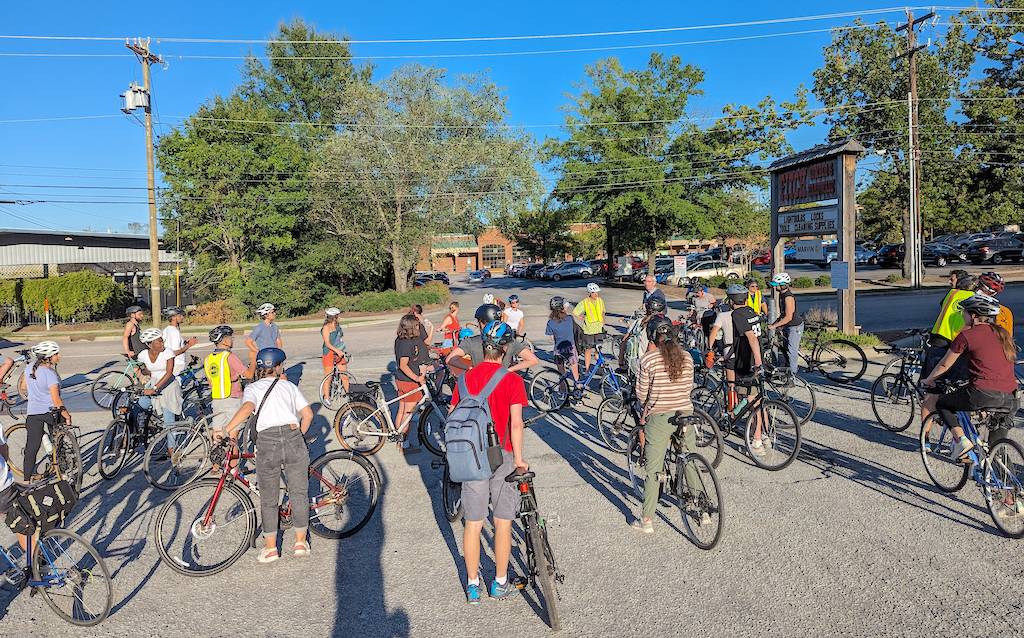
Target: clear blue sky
(536,86)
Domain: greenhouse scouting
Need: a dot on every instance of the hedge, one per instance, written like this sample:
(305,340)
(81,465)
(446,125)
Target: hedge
(803,282)
(432,293)
(823,281)
(81,296)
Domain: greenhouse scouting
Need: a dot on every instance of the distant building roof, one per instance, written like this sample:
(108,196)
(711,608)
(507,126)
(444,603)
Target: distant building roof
(454,243)
(20,246)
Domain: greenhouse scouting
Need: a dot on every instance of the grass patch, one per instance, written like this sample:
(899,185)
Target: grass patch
(864,339)
(895,278)
(803,282)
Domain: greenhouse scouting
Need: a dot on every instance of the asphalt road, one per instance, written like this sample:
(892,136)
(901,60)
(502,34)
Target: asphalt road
(850,540)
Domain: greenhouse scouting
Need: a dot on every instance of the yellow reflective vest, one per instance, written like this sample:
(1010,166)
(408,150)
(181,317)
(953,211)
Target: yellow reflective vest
(592,311)
(219,373)
(754,301)
(950,320)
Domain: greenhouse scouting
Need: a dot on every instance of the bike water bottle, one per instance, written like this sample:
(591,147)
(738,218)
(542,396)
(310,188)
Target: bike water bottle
(46,443)
(739,406)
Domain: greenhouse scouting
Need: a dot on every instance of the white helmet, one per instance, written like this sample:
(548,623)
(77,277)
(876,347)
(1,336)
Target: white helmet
(265,309)
(332,312)
(45,349)
(149,335)
(781,279)
(488,298)
(593,288)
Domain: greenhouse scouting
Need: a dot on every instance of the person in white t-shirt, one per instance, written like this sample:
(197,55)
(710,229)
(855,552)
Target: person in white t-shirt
(163,386)
(283,417)
(513,316)
(173,340)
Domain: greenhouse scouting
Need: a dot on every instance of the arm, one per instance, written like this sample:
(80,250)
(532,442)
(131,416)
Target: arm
(755,346)
(278,342)
(325,334)
(516,435)
(125,346)
(250,344)
(164,380)
(456,359)
(713,334)
(403,365)
(240,417)
(305,418)
(58,402)
(788,312)
(527,359)
(943,366)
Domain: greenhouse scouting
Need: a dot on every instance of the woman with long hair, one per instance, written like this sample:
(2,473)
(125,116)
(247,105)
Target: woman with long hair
(450,326)
(411,354)
(332,336)
(562,328)
(41,384)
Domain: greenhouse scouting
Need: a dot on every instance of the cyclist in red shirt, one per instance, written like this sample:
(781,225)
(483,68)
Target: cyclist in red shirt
(506,403)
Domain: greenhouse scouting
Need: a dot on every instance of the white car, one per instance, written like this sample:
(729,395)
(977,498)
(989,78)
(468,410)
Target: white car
(712,268)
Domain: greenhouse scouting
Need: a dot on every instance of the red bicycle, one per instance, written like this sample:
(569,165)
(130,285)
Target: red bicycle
(206,526)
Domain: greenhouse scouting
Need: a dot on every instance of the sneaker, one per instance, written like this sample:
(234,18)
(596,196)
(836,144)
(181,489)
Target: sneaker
(959,449)
(646,527)
(267,555)
(705,519)
(499,591)
(473,594)
(757,448)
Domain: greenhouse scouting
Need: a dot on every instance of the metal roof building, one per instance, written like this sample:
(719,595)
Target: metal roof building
(43,253)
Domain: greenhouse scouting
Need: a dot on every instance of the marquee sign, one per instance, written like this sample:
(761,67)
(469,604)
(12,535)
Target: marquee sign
(808,183)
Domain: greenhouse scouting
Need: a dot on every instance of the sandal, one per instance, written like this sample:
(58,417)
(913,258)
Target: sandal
(301,550)
(267,555)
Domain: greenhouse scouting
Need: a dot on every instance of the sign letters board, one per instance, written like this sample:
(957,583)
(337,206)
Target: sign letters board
(679,266)
(840,275)
(822,220)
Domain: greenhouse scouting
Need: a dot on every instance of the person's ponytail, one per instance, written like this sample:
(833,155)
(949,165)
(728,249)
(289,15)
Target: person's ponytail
(35,366)
(1006,341)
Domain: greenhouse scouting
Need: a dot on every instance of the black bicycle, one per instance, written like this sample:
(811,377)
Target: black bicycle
(62,458)
(451,492)
(895,395)
(838,359)
(132,428)
(542,574)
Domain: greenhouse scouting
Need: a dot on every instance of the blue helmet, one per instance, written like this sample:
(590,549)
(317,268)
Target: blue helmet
(465,332)
(497,334)
(269,358)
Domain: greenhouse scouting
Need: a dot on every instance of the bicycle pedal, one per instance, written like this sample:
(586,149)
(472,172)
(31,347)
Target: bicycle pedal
(519,582)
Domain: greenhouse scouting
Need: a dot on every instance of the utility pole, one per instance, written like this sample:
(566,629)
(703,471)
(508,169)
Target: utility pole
(912,260)
(140,48)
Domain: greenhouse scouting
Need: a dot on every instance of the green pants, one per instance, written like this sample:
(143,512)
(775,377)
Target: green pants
(658,434)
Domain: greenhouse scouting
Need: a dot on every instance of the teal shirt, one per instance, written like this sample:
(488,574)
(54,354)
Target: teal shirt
(336,341)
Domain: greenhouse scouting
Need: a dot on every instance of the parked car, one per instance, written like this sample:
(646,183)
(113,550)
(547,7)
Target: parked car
(569,270)
(712,268)
(435,275)
(996,250)
(533,270)
(477,276)
(891,255)
(599,266)
(967,240)
(941,254)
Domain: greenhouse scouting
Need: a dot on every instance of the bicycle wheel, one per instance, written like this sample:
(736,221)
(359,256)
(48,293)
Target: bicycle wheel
(197,536)
(892,366)
(610,388)
(611,424)
(69,459)
(107,385)
(343,492)
(936,444)
(545,571)
(79,587)
(841,360)
(430,426)
(119,404)
(188,462)
(1004,487)
(709,437)
(780,435)
(113,447)
(16,436)
(799,396)
(894,402)
(707,400)
(549,391)
(700,500)
(358,428)
(451,496)
(335,393)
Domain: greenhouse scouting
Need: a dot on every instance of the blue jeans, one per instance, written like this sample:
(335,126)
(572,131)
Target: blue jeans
(168,418)
(791,339)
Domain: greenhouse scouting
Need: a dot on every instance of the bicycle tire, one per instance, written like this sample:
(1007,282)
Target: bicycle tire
(69,462)
(549,391)
(451,496)
(49,549)
(336,392)
(546,574)
(16,372)
(107,385)
(351,481)
(185,467)
(611,424)
(934,445)
(608,388)
(346,419)
(430,429)
(248,528)
(889,393)
(694,501)
(1005,482)
(710,442)
(800,396)
(782,428)
(857,364)
(16,436)
(118,434)
(119,405)
(707,400)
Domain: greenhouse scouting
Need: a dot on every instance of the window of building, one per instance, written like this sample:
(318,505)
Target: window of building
(520,255)
(493,256)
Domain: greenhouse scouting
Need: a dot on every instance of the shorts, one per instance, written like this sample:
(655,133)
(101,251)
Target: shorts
(332,358)
(589,342)
(223,410)
(502,497)
(408,386)
(7,497)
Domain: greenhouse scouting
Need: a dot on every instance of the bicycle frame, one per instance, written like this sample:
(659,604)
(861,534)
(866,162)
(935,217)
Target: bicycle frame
(588,376)
(54,577)
(383,408)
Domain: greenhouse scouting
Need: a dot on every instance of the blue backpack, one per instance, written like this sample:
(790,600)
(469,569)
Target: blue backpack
(471,445)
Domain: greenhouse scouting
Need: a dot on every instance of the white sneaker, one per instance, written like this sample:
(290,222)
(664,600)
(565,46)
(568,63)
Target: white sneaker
(958,451)
(757,448)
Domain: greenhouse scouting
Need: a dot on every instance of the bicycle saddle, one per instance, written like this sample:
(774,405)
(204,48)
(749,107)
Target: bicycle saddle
(679,419)
(372,385)
(519,477)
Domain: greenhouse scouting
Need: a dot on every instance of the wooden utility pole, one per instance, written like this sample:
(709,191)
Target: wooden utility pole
(140,48)
(913,266)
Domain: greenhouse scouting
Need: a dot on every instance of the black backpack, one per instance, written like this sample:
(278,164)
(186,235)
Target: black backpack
(42,508)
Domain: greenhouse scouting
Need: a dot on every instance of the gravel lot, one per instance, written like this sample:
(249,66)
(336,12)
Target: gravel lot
(850,540)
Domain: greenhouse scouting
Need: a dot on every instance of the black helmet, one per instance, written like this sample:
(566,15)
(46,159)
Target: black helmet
(659,329)
(487,313)
(557,303)
(218,333)
(737,293)
(269,358)
(172,311)
(654,305)
(497,334)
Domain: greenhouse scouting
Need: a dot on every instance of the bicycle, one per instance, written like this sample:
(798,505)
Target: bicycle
(63,456)
(700,504)
(779,424)
(10,395)
(218,515)
(189,459)
(839,360)
(917,350)
(196,397)
(107,385)
(362,426)
(550,390)
(998,472)
(63,567)
(541,572)
(895,395)
(451,492)
(134,426)
(332,388)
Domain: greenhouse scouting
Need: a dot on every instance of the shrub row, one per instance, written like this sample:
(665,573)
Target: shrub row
(433,293)
(81,296)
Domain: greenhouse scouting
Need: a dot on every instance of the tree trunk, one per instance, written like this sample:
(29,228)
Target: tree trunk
(652,258)
(401,269)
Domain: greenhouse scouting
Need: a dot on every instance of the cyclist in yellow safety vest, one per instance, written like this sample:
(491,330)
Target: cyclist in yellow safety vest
(947,326)
(754,299)
(592,311)
(224,370)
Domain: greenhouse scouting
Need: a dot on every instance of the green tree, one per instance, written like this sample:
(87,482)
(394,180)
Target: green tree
(541,230)
(416,157)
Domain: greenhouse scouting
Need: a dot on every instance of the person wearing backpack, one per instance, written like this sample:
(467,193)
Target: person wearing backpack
(500,414)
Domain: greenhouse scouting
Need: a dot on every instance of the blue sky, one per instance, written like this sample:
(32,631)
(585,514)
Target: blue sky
(109,151)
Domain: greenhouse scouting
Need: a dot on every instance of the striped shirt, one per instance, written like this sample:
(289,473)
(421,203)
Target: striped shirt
(657,391)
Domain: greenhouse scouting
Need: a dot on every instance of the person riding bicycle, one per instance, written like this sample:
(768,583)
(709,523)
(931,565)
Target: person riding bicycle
(131,345)
(41,384)
(224,371)
(991,284)
(562,328)
(948,323)
(474,347)
(450,327)
(592,311)
(790,322)
(164,386)
(514,316)
(506,403)
(703,303)
(173,340)
(663,385)
(334,352)
(990,354)
(754,297)
(283,419)
(265,334)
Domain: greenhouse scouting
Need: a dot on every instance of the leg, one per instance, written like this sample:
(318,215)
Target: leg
(475,501)
(169,418)
(296,478)
(658,433)
(471,549)
(33,439)
(690,445)
(343,367)
(269,459)
(325,387)
(502,547)
(793,336)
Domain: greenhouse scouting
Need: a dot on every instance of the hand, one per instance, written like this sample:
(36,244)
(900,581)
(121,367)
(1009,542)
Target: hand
(149,392)
(191,342)
(218,435)
(928,383)
(709,359)
(521,465)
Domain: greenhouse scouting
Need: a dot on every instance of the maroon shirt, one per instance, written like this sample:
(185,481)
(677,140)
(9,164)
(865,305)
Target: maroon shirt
(986,361)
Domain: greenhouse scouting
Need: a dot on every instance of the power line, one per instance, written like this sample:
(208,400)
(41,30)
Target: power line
(62,118)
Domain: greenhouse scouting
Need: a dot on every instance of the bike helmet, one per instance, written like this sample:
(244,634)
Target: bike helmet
(265,309)
(332,312)
(487,313)
(173,311)
(966,282)
(131,310)
(488,299)
(992,281)
(737,294)
(557,303)
(465,332)
(268,358)
(512,298)
(45,349)
(980,304)
(218,333)
(781,279)
(149,335)
(592,288)
(497,334)
(659,329)
(564,349)
(654,305)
